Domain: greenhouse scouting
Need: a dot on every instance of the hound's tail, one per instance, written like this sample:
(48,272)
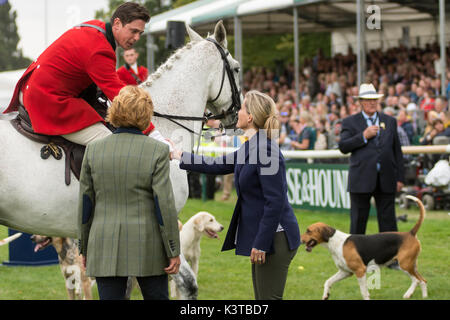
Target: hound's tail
(421,217)
(10,238)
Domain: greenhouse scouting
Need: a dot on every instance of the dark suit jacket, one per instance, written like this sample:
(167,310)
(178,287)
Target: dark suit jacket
(260,179)
(363,161)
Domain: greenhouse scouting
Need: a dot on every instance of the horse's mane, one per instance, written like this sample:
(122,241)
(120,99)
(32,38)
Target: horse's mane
(169,63)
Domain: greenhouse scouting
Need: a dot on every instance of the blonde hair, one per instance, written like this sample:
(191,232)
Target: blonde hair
(305,115)
(263,109)
(132,107)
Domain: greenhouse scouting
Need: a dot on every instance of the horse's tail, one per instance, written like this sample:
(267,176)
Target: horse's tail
(415,229)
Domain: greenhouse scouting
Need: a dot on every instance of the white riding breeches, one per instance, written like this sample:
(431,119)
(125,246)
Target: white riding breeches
(83,136)
(98,131)
(88,134)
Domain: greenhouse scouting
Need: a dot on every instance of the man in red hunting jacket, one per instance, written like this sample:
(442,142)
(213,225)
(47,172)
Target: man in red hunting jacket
(51,86)
(131,73)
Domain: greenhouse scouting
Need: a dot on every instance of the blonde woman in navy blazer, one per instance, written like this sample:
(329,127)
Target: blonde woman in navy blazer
(263,225)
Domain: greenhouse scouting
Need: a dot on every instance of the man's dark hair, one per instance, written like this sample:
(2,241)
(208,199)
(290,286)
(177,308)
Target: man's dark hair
(130,11)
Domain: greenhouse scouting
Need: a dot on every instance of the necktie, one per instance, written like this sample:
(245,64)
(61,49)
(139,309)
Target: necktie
(376,138)
(373,121)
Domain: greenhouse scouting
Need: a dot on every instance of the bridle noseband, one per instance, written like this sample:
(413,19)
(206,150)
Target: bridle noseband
(235,96)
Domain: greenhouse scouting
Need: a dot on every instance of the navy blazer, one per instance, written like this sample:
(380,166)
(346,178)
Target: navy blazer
(362,176)
(260,180)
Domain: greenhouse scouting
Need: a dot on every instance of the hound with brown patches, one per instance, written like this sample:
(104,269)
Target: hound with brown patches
(73,271)
(353,254)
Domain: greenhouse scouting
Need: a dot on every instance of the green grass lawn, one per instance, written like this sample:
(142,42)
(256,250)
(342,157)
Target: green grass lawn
(223,275)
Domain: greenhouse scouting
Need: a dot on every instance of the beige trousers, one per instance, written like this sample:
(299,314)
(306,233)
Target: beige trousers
(88,134)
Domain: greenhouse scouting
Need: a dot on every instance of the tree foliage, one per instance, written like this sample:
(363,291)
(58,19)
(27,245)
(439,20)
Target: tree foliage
(271,51)
(11,57)
(180,3)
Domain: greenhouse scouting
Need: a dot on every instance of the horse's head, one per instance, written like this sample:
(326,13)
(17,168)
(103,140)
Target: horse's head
(224,96)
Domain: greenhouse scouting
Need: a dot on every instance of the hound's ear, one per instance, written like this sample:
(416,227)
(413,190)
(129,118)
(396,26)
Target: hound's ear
(220,34)
(326,233)
(194,36)
(198,224)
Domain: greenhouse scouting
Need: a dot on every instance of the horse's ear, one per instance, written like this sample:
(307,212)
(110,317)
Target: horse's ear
(194,36)
(220,34)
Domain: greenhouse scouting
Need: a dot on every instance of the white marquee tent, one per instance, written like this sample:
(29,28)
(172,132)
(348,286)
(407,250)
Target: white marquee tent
(410,22)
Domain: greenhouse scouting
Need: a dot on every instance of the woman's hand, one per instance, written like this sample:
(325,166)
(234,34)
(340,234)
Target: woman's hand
(176,154)
(257,256)
(174,265)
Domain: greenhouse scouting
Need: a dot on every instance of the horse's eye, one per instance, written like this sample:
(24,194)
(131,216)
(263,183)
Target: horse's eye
(237,69)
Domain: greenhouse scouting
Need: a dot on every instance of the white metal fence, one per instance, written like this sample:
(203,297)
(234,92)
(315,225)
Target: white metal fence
(332,154)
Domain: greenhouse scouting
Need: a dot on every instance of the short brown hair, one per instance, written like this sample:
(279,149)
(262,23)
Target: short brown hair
(132,107)
(130,11)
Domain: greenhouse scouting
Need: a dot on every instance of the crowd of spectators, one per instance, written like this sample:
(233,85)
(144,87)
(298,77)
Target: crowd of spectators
(409,78)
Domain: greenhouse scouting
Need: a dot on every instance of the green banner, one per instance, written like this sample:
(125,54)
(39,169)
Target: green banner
(318,186)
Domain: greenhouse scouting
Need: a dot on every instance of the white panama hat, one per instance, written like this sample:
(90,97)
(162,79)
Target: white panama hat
(367,91)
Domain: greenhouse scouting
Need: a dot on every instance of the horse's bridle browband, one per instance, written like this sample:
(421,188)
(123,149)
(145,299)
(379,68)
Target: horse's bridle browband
(235,96)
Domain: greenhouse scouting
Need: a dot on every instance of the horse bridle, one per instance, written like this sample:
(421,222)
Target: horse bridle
(235,97)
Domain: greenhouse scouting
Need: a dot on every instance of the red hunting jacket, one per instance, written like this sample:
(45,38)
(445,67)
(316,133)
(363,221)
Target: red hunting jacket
(51,85)
(126,75)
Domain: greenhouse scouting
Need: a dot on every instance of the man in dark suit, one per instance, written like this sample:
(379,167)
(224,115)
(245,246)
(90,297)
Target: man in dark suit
(376,162)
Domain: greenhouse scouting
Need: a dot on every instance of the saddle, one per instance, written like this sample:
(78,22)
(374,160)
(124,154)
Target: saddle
(53,144)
